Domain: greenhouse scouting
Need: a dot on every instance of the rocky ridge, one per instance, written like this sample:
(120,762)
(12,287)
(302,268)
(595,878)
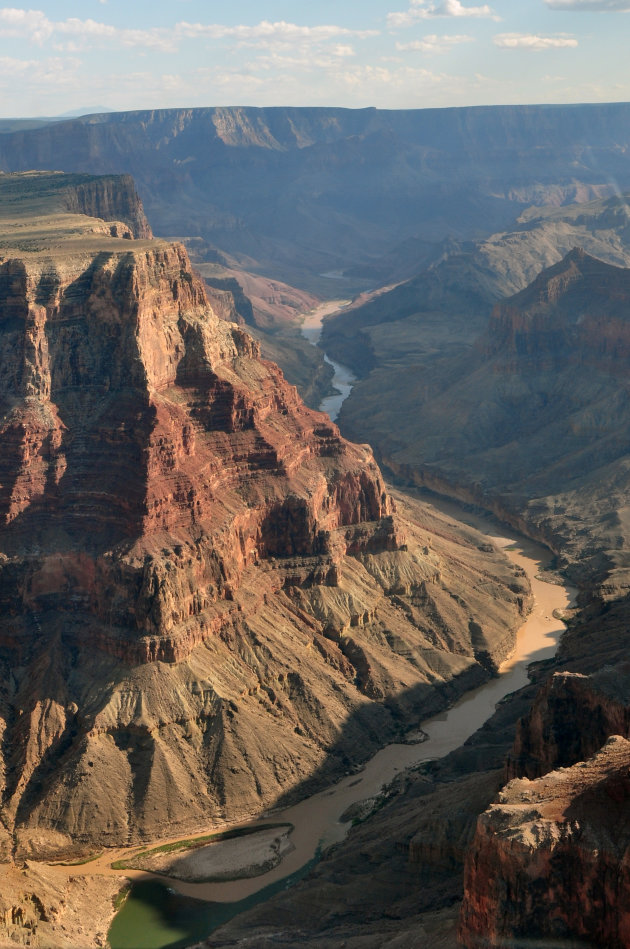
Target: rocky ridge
(550,858)
(283,189)
(538,417)
(209,599)
(560,821)
(445,306)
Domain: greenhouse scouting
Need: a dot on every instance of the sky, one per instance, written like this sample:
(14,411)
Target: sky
(63,56)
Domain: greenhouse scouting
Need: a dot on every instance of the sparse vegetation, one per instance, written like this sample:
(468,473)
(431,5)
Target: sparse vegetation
(192,843)
(121,897)
(79,863)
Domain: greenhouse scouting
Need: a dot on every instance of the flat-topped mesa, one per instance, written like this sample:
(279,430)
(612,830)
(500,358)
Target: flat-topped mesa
(135,421)
(53,196)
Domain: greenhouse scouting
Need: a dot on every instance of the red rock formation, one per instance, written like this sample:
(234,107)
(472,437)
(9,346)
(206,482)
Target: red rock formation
(572,314)
(206,593)
(572,716)
(551,860)
(136,411)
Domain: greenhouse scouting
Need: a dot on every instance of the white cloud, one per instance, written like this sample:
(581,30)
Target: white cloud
(362,77)
(237,80)
(531,41)
(301,60)
(341,50)
(596,6)
(280,31)
(10,66)
(35,26)
(434,44)
(53,73)
(86,28)
(427,9)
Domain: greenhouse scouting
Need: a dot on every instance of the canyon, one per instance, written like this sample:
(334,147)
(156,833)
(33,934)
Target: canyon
(213,603)
(364,194)
(537,432)
(537,414)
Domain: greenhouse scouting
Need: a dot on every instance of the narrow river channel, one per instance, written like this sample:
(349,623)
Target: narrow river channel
(165,912)
(343,378)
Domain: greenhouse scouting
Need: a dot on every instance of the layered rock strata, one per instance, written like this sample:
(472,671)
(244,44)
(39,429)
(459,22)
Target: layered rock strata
(208,598)
(569,761)
(571,718)
(549,861)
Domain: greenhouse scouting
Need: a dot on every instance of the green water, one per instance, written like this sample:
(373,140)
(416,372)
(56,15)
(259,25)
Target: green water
(155,917)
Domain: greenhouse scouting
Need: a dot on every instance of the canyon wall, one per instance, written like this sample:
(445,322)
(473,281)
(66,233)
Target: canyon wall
(210,602)
(537,410)
(550,859)
(286,188)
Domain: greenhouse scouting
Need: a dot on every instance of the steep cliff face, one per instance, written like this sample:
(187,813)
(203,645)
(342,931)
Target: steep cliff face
(208,597)
(573,314)
(128,403)
(286,187)
(112,198)
(538,414)
(550,859)
(49,198)
(571,718)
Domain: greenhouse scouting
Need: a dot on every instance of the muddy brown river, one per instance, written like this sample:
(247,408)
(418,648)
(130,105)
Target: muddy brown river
(155,916)
(316,820)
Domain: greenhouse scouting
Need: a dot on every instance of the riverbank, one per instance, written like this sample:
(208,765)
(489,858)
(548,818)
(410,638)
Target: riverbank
(321,820)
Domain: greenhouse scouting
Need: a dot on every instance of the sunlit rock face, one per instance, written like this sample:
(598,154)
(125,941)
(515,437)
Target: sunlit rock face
(550,859)
(208,598)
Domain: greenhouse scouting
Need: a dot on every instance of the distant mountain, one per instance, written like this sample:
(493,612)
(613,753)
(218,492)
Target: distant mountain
(532,421)
(300,193)
(446,305)
(85,110)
